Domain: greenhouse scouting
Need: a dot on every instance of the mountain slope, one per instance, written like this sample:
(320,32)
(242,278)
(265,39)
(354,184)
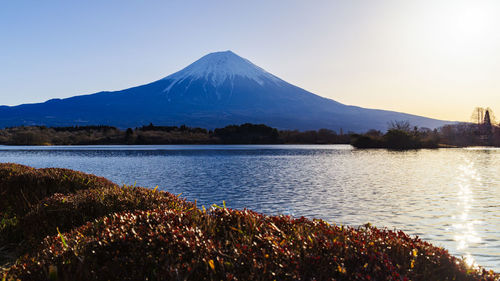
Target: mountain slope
(218,89)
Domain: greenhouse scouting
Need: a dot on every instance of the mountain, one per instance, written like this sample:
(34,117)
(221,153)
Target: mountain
(219,89)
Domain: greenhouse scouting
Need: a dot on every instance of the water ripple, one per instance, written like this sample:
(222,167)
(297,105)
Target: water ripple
(448,196)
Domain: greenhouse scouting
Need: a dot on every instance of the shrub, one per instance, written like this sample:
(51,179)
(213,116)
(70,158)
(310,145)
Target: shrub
(21,186)
(399,139)
(235,245)
(143,245)
(130,233)
(366,141)
(72,210)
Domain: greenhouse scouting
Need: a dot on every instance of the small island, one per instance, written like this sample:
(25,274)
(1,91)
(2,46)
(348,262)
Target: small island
(401,135)
(59,224)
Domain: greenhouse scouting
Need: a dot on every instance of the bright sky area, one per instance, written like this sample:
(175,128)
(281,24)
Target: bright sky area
(436,58)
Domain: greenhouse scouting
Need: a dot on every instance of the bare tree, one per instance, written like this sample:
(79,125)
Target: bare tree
(478,115)
(400,125)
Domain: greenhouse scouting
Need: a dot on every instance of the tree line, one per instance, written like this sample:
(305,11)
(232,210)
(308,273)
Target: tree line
(152,134)
(482,131)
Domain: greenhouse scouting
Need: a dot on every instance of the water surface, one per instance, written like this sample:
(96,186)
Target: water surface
(447,196)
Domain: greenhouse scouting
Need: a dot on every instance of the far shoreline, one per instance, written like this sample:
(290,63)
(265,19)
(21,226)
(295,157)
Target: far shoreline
(399,136)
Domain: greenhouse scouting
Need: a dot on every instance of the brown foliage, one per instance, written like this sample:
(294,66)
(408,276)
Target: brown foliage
(68,211)
(21,186)
(128,233)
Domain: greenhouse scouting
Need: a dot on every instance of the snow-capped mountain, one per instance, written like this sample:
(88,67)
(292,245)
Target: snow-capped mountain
(219,89)
(218,67)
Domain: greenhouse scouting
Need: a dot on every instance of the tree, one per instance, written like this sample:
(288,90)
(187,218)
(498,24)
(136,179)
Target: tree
(491,115)
(129,132)
(487,128)
(400,125)
(487,119)
(477,115)
(399,139)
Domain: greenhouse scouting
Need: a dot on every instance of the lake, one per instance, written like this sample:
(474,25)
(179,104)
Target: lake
(449,197)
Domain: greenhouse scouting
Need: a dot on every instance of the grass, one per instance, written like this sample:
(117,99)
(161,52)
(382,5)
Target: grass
(106,232)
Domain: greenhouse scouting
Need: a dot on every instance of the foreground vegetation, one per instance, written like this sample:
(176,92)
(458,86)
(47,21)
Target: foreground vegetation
(58,224)
(103,135)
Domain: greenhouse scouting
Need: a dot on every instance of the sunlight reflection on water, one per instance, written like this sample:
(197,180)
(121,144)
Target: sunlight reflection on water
(447,196)
(465,233)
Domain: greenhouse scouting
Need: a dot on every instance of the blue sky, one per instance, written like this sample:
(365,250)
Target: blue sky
(434,58)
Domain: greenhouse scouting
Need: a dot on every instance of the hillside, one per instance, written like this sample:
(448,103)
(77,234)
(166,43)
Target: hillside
(217,90)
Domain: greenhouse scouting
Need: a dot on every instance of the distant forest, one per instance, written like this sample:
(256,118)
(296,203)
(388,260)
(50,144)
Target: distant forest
(151,134)
(400,135)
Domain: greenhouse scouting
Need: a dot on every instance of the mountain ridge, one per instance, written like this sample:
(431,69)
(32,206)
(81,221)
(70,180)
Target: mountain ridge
(216,90)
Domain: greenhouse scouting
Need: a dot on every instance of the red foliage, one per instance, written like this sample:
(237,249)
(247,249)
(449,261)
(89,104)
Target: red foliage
(129,233)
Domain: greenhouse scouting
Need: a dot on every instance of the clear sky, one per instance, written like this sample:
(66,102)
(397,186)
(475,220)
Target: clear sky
(437,58)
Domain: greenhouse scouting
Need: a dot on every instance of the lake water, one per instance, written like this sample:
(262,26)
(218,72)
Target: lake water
(450,197)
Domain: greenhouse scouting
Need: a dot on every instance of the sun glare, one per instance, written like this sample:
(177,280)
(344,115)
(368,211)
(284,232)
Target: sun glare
(469,21)
(464,27)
